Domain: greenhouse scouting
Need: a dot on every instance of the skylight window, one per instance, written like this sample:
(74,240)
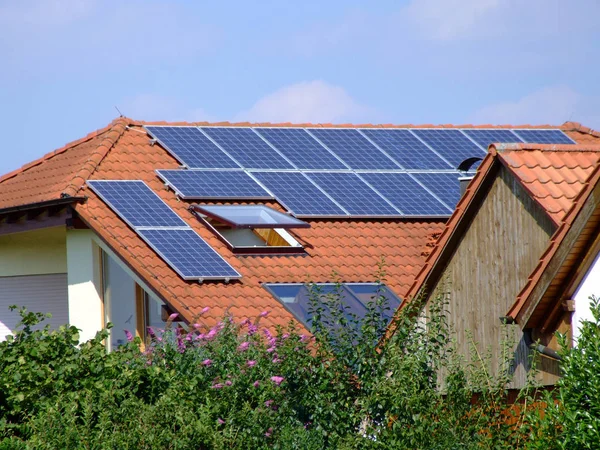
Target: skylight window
(354,296)
(251,229)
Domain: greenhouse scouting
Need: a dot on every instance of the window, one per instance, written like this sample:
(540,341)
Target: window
(356,296)
(251,229)
(126,305)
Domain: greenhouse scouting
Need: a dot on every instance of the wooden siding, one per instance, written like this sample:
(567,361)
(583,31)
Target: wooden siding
(490,265)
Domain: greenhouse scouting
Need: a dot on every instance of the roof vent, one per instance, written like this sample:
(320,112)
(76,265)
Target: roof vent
(466,178)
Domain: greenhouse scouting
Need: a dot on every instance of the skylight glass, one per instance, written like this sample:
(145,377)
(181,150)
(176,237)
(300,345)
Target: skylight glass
(254,216)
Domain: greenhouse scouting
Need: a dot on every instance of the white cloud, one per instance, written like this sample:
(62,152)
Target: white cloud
(449,19)
(551,105)
(307,101)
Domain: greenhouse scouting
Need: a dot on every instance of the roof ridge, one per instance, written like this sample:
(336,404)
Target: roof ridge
(345,125)
(113,133)
(509,147)
(576,126)
(60,150)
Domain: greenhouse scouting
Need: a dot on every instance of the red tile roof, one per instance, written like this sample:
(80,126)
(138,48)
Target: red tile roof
(350,247)
(556,176)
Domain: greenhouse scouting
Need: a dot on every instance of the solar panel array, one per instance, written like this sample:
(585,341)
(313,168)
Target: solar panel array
(329,172)
(163,230)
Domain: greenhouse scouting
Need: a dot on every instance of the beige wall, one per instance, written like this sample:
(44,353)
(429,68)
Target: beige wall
(491,264)
(33,252)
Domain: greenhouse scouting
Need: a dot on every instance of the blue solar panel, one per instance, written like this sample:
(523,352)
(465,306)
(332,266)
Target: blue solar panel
(406,149)
(486,137)
(301,148)
(406,194)
(205,184)
(247,148)
(188,254)
(192,148)
(545,136)
(298,194)
(353,194)
(444,185)
(352,147)
(136,203)
(454,146)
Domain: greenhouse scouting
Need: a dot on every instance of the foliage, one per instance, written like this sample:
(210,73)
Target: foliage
(241,385)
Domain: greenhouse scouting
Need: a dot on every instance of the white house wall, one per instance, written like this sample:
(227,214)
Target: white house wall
(85,283)
(589,286)
(36,252)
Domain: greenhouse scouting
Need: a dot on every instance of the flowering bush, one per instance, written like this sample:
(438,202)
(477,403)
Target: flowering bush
(241,385)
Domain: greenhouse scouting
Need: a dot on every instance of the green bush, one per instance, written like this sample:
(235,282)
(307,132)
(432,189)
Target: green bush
(240,385)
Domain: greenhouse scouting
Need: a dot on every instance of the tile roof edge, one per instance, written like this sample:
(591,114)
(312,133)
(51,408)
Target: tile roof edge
(460,213)
(60,150)
(576,126)
(113,133)
(511,147)
(524,296)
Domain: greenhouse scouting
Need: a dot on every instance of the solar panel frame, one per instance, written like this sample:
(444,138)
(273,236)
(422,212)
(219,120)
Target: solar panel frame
(193,243)
(169,177)
(356,151)
(244,145)
(527,135)
(209,151)
(390,141)
(455,147)
(293,139)
(407,202)
(478,135)
(338,184)
(147,210)
(292,187)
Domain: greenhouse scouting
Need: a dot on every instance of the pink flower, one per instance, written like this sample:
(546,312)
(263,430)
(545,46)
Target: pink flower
(285,336)
(276,360)
(217,386)
(251,363)
(211,334)
(244,346)
(269,432)
(303,337)
(200,336)
(205,310)
(173,316)
(271,349)
(128,335)
(245,322)
(268,403)
(207,362)
(197,326)
(263,314)
(228,383)
(252,329)
(220,421)
(150,331)
(256,383)
(277,380)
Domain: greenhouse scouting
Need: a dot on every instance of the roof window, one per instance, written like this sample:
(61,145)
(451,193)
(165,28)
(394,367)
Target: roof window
(251,229)
(355,297)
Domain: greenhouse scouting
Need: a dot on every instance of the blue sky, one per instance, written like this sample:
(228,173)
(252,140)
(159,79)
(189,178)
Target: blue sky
(68,63)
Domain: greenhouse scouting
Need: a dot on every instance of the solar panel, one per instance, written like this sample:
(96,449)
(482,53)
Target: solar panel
(192,148)
(545,136)
(352,147)
(247,148)
(136,203)
(294,191)
(353,194)
(205,184)
(188,254)
(451,144)
(406,194)
(444,185)
(486,137)
(301,148)
(406,149)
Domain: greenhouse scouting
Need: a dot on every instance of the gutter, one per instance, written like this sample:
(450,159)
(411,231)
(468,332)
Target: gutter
(544,350)
(45,204)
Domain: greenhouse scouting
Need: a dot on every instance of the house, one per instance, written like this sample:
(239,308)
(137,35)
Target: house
(140,220)
(521,249)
